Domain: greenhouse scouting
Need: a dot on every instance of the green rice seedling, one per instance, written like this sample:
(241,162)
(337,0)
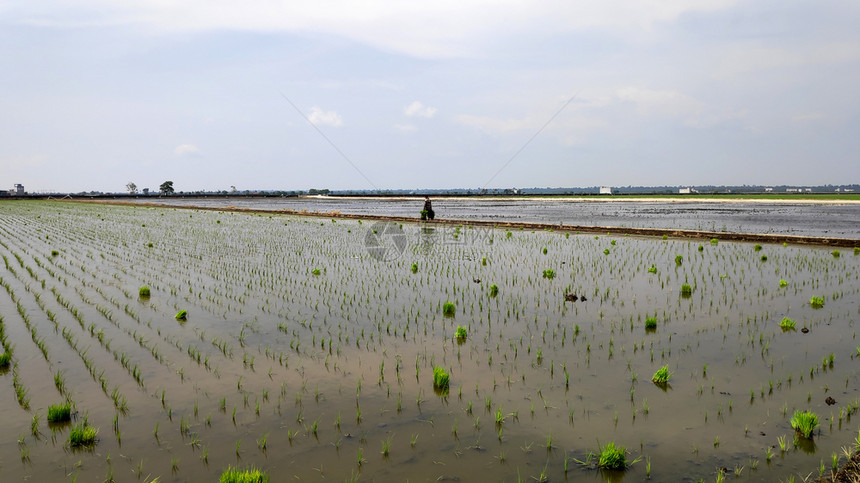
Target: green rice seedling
(686,290)
(181,315)
(816,302)
(764,258)
(549,274)
(449,309)
(804,422)
(612,457)
(757,248)
(248,475)
(54,253)
(82,435)
(386,446)
(316,271)
(651,323)
(494,290)
(413,440)
(461,333)
(787,324)
(714,241)
(679,259)
(857,250)
(835,253)
(701,248)
(652,269)
(783,283)
(606,251)
(441,379)
(59,412)
(414,268)
(5,359)
(484,261)
(143,292)
(662,375)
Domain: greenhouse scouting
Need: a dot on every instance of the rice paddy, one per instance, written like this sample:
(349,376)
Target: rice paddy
(489,355)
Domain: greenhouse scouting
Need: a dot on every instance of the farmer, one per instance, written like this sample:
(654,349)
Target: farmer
(427,213)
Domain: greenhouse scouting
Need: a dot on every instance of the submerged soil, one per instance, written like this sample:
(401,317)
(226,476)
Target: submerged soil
(310,344)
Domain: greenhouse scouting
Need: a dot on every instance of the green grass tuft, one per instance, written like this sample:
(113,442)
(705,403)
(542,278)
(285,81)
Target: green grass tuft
(804,422)
(662,375)
(441,379)
(612,457)
(59,412)
(82,435)
(248,475)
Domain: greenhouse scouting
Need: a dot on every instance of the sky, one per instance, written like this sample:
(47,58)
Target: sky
(290,95)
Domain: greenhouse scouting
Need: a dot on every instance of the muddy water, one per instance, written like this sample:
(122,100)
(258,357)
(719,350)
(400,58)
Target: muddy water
(308,375)
(802,219)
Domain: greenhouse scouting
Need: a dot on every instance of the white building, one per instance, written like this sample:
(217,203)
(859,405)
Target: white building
(605,190)
(685,191)
(18,191)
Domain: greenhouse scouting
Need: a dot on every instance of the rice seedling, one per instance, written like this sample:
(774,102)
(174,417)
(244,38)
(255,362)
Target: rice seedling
(679,259)
(143,291)
(804,423)
(461,333)
(549,274)
(414,268)
(441,379)
(5,359)
(662,376)
(82,435)
(787,324)
(612,457)
(386,446)
(764,258)
(494,290)
(816,302)
(449,309)
(181,315)
(835,253)
(247,475)
(686,290)
(783,283)
(59,412)
(651,323)
(652,269)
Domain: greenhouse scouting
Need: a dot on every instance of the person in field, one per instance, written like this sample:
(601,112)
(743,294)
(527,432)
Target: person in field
(427,213)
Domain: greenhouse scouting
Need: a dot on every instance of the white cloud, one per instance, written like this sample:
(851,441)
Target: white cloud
(321,118)
(404,127)
(418,109)
(442,28)
(186,150)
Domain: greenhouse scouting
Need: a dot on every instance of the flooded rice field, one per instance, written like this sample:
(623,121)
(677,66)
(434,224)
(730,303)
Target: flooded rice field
(306,347)
(735,216)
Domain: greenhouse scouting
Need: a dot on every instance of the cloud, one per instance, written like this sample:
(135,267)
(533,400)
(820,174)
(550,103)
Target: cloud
(186,150)
(318,117)
(418,109)
(443,28)
(404,127)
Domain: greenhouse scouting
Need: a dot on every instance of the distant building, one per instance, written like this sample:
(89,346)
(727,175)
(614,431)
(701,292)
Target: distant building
(18,191)
(768,190)
(605,190)
(145,191)
(685,191)
(793,190)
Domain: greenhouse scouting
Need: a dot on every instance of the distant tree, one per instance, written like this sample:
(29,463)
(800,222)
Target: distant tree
(132,188)
(166,188)
(232,189)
